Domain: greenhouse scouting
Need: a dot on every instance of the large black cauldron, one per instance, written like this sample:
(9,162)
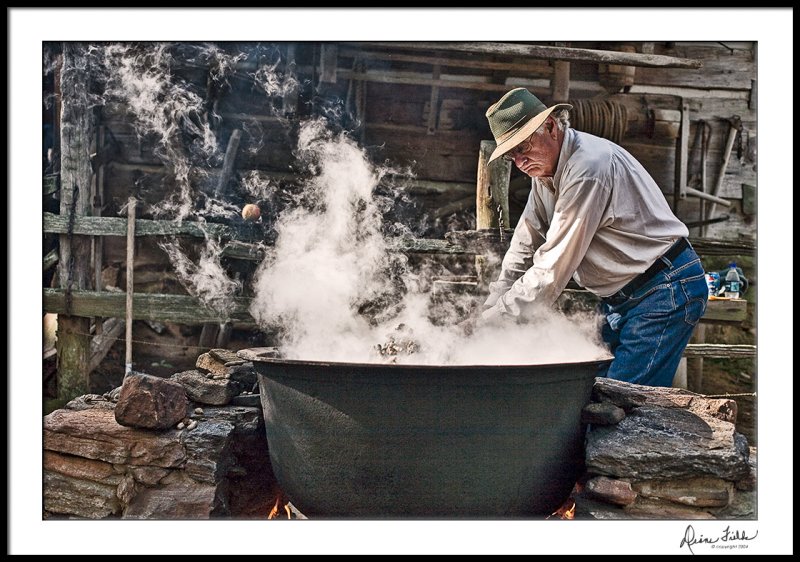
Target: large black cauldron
(373,441)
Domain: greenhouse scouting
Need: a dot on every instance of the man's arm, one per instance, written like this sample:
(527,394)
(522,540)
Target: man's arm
(528,236)
(578,212)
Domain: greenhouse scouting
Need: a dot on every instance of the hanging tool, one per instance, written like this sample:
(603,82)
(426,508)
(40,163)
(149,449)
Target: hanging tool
(733,132)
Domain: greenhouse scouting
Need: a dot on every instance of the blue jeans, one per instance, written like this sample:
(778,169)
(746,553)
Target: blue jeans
(648,330)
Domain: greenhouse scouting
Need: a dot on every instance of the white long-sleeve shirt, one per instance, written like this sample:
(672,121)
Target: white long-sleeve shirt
(600,219)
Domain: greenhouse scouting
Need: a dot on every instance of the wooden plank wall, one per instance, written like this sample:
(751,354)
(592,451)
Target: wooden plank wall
(387,97)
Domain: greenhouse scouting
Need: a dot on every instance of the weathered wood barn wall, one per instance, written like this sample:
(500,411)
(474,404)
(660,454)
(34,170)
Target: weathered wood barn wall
(417,107)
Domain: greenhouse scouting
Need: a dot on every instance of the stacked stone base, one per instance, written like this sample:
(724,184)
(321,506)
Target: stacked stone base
(96,468)
(663,453)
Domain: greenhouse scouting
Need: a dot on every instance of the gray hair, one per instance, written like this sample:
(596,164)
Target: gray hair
(562,118)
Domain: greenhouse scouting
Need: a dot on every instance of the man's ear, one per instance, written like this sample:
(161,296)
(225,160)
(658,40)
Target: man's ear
(552,128)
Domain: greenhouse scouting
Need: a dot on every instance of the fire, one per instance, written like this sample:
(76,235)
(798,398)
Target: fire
(276,509)
(566,511)
(570,513)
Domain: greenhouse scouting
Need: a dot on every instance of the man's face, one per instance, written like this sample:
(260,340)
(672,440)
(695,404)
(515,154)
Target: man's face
(538,155)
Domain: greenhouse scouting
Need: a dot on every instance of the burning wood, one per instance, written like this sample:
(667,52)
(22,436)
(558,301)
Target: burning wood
(280,504)
(399,343)
(566,511)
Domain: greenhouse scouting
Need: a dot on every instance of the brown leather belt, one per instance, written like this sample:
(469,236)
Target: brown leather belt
(641,279)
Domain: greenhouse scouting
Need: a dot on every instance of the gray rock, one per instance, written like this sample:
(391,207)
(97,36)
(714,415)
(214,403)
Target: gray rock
(95,434)
(251,400)
(748,483)
(226,356)
(209,363)
(696,492)
(602,413)
(180,500)
(742,506)
(66,495)
(88,401)
(610,490)
(653,442)
(95,468)
(629,396)
(587,507)
(150,402)
(206,448)
(199,388)
(645,508)
(257,353)
(245,374)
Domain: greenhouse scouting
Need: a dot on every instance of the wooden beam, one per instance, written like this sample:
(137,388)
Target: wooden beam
(725,311)
(543,52)
(49,260)
(528,67)
(108,334)
(719,351)
(385,78)
(429,246)
(76,134)
(713,247)
(118,226)
(181,309)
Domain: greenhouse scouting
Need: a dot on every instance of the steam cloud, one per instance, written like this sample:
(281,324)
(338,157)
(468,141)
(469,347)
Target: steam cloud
(333,256)
(331,285)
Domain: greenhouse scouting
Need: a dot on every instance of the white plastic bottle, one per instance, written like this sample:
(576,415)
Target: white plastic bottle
(732,282)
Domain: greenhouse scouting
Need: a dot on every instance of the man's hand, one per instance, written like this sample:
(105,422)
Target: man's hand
(467,326)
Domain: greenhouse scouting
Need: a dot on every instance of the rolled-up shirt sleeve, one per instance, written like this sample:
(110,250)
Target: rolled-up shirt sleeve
(578,212)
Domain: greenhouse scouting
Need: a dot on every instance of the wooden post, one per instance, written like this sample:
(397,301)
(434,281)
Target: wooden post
(491,205)
(227,163)
(97,210)
(130,247)
(289,106)
(76,133)
(560,83)
(433,114)
(694,365)
(492,191)
(211,332)
(681,159)
(329,60)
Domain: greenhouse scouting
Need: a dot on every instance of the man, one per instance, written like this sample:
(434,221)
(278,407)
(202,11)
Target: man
(596,215)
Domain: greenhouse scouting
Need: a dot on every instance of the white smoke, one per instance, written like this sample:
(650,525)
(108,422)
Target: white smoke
(330,283)
(273,82)
(205,279)
(141,79)
(258,186)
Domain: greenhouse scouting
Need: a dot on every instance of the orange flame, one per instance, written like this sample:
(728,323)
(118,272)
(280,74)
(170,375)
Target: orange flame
(276,509)
(566,511)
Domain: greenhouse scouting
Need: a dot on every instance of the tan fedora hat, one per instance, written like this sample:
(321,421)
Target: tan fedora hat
(515,117)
